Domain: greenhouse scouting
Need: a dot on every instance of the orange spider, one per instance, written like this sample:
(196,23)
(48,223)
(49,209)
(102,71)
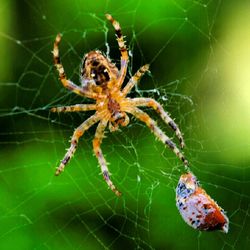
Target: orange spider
(102,81)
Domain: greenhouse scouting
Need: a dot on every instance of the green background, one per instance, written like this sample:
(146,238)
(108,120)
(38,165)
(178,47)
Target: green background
(199,55)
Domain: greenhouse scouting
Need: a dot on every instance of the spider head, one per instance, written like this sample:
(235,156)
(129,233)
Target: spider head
(97,70)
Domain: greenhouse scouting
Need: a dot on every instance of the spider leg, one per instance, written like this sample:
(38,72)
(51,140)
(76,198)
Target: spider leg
(134,79)
(65,82)
(122,48)
(74,141)
(74,108)
(140,115)
(149,102)
(98,152)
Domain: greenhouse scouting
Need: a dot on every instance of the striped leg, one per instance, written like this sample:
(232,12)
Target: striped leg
(74,108)
(74,141)
(67,83)
(149,102)
(134,79)
(140,115)
(122,48)
(98,152)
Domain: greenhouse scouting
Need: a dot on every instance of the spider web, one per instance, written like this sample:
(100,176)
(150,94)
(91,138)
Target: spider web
(199,55)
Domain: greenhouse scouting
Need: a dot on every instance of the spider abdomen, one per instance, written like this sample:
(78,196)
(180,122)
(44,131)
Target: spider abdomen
(99,68)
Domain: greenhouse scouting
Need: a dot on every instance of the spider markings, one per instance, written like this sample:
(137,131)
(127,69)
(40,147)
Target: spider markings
(102,81)
(197,208)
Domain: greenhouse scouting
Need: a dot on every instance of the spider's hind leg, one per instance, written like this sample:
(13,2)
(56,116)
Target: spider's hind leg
(135,79)
(62,75)
(122,48)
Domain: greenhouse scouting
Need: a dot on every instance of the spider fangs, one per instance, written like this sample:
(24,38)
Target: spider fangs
(102,81)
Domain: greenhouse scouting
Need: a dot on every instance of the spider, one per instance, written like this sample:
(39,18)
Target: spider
(102,81)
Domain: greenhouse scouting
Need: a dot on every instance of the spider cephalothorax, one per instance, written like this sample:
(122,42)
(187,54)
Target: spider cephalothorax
(102,81)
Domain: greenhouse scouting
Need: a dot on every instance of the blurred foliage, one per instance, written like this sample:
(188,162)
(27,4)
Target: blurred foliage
(199,55)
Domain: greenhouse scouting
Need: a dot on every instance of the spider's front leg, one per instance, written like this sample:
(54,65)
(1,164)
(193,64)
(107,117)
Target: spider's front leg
(74,141)
(98,152)
(140,115)
(149,102)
